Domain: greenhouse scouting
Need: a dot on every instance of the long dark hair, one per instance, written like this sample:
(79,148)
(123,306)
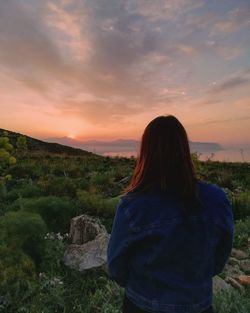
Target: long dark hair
(165,162)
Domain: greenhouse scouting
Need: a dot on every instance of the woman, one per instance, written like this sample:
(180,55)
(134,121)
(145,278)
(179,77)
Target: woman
(171,232)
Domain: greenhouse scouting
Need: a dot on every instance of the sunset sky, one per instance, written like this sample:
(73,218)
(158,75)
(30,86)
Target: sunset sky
(102,69)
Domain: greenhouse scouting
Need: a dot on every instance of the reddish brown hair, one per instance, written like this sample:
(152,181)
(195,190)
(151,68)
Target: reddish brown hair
(165,160)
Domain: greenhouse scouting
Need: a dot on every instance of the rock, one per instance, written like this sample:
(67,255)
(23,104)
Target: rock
(104,267)
(233,261)
(84,228)
(245,266)
(238,254)
(219,284)
(89,255)
(232,271)
(244,279)
(234,283)
(248,240)
(89,244)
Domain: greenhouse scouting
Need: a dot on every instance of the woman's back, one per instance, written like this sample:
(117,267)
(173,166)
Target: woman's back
(165,263)
(171,233)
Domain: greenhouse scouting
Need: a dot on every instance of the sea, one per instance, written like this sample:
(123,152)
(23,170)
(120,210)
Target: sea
(225,155)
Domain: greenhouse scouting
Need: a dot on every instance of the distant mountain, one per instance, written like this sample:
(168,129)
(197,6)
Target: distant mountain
(116,142)
(205,146)
(39,145)
(125,145)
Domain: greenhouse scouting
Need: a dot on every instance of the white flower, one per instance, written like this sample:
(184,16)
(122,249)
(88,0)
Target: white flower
(56,281)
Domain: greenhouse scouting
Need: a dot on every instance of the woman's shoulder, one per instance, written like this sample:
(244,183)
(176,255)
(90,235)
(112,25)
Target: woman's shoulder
(210,189)
(136,198)
(130,196)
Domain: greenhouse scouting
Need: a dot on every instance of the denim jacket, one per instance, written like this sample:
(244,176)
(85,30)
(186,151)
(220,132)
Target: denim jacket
(166,265)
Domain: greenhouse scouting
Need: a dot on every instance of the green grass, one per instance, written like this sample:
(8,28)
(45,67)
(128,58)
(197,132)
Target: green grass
(241,205)
(232,301)
(242,233)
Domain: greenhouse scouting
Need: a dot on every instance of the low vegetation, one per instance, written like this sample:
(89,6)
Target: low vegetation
(42,189)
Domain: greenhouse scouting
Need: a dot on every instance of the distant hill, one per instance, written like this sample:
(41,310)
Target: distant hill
(39,145)
(124,145)
(205,146)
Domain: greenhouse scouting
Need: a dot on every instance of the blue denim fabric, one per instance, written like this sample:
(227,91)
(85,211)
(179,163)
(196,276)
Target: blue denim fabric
(166,265)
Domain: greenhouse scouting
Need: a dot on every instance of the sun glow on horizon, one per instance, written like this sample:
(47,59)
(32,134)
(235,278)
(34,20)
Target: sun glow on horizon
(71,136)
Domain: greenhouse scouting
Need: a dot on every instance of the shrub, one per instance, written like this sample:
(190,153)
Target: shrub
(101,182)
(195,160)
(25,232)
(241,205)
(225,179)
(82,183)
(88,201)
(57,186)
(21,170)
(242,232)
(55,211)
(12,195)
(3,190)
(17,274)
(29,191)
(96,205)
(110,206)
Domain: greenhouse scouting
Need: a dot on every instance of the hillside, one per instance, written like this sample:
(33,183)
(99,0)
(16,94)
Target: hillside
(37,145)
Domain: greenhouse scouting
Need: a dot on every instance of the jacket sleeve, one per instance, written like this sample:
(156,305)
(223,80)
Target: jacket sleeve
(117,251)
(225,242)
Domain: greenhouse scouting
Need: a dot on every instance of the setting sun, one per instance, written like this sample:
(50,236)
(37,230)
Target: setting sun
(71,136)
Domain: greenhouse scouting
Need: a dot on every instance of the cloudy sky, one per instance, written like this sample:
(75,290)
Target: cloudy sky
(102,69)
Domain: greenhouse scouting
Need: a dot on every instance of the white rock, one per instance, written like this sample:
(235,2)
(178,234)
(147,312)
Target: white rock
(89,255)
(84,228)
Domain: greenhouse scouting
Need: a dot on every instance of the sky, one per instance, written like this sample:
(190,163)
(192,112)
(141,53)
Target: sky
(103,69)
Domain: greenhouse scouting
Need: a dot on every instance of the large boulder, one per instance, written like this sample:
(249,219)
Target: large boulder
(89,244)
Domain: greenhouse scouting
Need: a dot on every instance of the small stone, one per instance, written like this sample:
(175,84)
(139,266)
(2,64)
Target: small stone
(219,284)
(238,254)
(244,279)
(245,266)
(234,283)
(232,271)
(233,261)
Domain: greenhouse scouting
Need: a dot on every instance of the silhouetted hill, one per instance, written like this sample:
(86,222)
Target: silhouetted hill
(121,145)
(39,145)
